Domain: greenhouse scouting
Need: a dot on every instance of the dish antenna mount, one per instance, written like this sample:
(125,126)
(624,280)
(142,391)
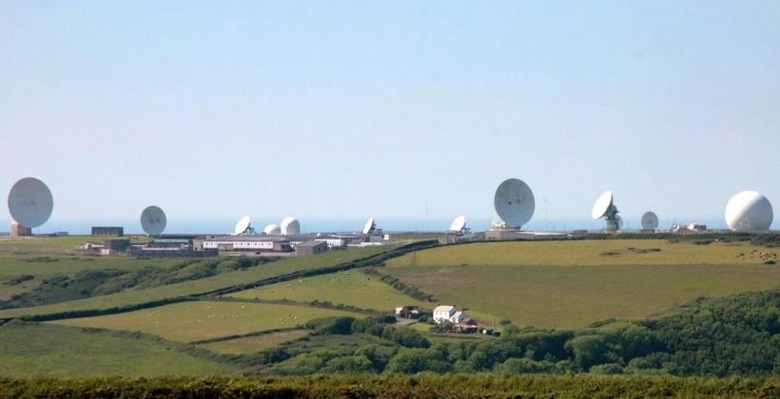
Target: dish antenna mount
(370,227)
(605,208)
(244,227)
(458,226)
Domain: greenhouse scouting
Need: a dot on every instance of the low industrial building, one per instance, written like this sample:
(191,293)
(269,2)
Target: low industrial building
(311,248)
(249,243)
(17,230)
(108,231)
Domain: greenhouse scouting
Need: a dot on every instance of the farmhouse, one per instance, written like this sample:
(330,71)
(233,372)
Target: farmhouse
(448,313)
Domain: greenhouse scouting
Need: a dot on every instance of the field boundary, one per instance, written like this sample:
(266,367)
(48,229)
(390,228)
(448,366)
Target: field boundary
(358,263)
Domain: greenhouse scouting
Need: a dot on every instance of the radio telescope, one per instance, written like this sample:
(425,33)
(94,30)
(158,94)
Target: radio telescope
(514,203)
(290,226)
(272,229)
(749,211)
(153,220)
(458,226)
(605,208)
(30,202)
(369,227)
(649,221)
(243,227)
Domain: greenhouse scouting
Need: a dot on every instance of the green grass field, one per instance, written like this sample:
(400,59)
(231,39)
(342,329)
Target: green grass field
(351,287)
(581,253)
(54,245)
(201,320)
(256,343)
(38,350)
(573,284)
(136,296)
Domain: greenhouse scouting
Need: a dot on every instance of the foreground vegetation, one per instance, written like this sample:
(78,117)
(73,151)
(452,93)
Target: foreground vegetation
(421,386)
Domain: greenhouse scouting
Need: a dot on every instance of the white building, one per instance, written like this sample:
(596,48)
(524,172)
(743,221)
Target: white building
(448,313)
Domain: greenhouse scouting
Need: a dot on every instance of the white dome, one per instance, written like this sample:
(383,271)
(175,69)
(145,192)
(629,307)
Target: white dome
(272,229)
(291,226)
(749,211)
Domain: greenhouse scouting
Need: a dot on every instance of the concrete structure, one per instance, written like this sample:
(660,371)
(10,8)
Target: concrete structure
(108,231)
(117,245)
(311,248)
(17,230)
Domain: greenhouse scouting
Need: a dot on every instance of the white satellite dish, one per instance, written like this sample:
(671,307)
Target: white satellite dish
(30,202)
(459,224)
(649,221)
(153,220)
(369,227)
(605,208)
(244,226)
(272,229)
(514,202)
(290,226)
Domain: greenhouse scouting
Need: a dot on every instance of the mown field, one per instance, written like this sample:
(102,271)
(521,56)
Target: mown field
(351,287)
(40,350)
(255,343)
(203,320)
(573,284)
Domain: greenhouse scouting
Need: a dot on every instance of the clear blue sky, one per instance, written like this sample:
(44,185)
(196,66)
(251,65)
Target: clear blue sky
(401,109)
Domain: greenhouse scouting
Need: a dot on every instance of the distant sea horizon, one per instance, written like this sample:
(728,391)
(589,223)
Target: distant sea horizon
(341,225)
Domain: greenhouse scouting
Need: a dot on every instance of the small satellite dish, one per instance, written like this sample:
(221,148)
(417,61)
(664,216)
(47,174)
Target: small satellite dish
(290,226)
(605,208)
(649,221)
(30,202)
(514,202)
(272,229)
(153,220)
(458,225)
(244,226)
(369,227)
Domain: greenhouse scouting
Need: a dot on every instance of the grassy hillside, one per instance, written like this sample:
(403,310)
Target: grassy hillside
(255,343)
(575,283)
(37,350)
(202,320)
(351,287)
(229,279)
(584,253)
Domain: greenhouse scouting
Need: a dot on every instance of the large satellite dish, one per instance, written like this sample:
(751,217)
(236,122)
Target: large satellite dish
(514,202)
(458,225)
(30,202)
(369,227)
(244,226)
(649,221)
(153,220)
(605,208)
